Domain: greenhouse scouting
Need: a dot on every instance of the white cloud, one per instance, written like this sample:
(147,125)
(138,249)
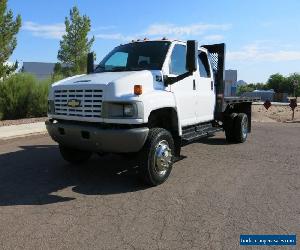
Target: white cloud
(108,27)
(50,31)
(161,30)
(257,53)
(214,38)
(56,31)
(115,36)
(185,30)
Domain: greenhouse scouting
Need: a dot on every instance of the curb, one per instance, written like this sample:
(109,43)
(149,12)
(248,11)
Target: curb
(275,103)
(294,121)
(22,130)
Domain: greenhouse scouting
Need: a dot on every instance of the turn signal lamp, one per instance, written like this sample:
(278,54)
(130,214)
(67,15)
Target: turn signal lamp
(138,89)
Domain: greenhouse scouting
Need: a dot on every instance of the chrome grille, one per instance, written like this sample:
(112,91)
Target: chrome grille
(90,102)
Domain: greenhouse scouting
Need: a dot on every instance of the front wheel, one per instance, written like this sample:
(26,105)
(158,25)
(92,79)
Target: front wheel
(74,156)
(157,156)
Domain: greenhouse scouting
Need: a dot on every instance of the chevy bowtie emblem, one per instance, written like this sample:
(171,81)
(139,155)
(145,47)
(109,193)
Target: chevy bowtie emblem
(74,103)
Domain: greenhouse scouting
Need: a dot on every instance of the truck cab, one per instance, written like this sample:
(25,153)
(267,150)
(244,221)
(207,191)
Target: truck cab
(146,98)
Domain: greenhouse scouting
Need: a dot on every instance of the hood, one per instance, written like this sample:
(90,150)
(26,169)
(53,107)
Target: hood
(98,78)
(115,84)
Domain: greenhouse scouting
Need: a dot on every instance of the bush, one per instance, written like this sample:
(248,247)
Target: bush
(23,96)
(38,105)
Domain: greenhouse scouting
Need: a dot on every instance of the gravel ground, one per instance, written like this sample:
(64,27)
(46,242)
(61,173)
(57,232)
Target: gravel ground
(216,193)
(277,113)
(22,121)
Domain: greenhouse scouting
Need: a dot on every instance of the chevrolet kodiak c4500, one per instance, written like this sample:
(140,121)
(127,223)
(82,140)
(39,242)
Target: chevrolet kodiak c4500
(146,98)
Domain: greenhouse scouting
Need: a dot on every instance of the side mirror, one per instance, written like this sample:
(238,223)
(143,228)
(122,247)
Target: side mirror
(90,63)
(191,55)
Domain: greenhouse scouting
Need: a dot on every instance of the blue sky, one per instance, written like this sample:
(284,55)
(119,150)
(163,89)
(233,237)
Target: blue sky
(262,37)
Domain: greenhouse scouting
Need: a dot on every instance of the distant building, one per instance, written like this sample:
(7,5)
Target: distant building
(230,82)
(264,95)
(39,69)
(269,95)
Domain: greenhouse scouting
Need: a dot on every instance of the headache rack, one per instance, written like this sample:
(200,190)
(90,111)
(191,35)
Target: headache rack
(216,53)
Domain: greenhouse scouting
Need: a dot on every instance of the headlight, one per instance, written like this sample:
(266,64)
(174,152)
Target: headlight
(129,110)
(119,110)
(51,107)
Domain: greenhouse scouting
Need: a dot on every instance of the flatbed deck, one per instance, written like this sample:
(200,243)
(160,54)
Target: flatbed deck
(237,99)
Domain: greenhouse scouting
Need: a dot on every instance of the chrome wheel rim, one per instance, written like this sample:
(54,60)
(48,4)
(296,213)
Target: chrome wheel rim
(245,127)
(162,157)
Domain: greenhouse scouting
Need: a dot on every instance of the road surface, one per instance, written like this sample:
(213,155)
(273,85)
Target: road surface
(216,193)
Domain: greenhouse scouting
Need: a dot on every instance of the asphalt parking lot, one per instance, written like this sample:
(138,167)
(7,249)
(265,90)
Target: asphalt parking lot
(216,193)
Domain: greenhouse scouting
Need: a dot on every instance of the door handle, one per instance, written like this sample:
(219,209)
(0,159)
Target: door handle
(212,85)
(194,84)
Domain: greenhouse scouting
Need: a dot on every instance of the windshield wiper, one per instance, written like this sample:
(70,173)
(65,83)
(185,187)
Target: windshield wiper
(137,69)
(116,69)
(99,67)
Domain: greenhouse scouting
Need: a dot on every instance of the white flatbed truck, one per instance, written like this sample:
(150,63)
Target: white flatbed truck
(146,98)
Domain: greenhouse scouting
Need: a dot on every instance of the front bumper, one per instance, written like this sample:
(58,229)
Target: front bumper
(93,138)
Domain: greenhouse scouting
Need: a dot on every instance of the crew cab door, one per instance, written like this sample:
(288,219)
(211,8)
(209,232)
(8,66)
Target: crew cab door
(205,92)
(184,90)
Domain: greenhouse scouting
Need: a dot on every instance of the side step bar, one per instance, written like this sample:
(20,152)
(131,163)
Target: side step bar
(198,131)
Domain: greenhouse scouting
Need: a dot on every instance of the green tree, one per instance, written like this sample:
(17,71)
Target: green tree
(290,79)
(250,87)
(75,44)
(244,88)
(279,83)
(9,28)
(258,86)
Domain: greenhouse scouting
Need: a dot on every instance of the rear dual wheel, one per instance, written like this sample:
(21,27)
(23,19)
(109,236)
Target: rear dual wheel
(237,128)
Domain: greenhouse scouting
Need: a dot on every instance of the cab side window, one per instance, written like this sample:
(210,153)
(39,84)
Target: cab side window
(204,65)
(178,60)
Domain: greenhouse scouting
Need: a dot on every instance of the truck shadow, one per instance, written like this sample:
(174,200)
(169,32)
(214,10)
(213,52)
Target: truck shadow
(213,141)
(34,174)
(210,140)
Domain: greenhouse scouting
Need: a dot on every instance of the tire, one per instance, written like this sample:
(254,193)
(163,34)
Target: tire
(241,128)
(74,156)
(229,128)
(157,157)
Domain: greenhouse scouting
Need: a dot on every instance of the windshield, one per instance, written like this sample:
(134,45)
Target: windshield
(135,56)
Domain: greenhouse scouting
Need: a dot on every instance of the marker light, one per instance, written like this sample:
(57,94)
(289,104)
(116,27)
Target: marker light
(138,89)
